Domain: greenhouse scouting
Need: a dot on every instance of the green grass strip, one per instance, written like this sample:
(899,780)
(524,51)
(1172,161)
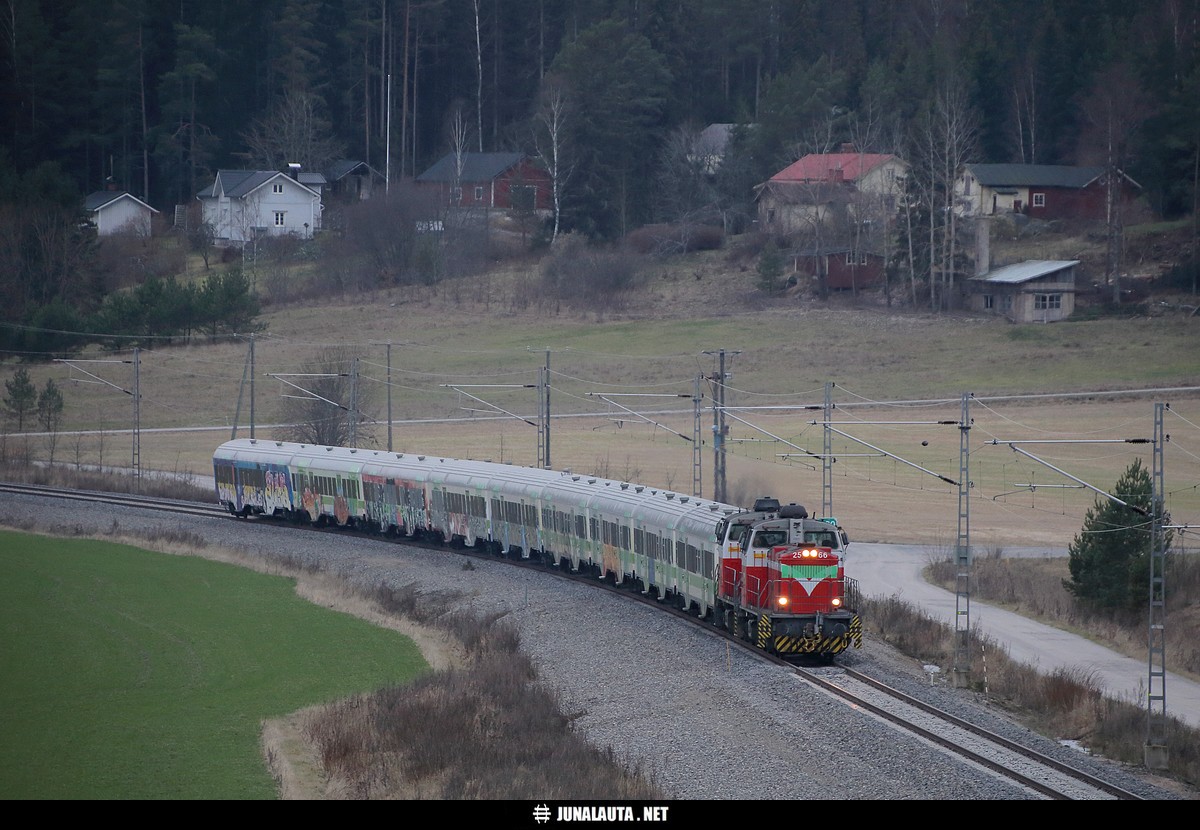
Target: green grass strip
(127,674)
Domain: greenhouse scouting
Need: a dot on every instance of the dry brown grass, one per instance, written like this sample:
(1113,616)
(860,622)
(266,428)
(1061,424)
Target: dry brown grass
(1066,704)
(781,351)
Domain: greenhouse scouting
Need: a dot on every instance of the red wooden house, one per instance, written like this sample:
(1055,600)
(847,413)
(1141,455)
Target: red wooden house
(845,268)
(1039,191)
(505,181)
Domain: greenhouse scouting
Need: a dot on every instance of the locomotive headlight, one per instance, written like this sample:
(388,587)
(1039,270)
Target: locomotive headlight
(782,601)
(837,602)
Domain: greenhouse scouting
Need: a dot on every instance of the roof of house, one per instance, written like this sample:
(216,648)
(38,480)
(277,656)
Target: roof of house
(1024,271)
(715,137)
(803,193)
(104,198)
(834,250)
(823,166)
(477,167)
(1035,175)
(237,184)
(344,167)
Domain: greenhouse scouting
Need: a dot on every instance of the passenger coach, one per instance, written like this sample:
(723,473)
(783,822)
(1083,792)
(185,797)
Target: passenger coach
(664,541)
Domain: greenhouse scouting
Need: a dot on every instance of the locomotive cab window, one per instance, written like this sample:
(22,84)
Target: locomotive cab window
(769,538)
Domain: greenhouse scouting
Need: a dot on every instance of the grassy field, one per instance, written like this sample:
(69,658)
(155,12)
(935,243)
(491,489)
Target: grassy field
(135,675)
(463,349)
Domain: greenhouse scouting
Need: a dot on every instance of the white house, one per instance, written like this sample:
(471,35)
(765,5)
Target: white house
(116,211)
(242,205)
(821,187)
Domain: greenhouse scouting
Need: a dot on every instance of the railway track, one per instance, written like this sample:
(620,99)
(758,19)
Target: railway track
(1008,759)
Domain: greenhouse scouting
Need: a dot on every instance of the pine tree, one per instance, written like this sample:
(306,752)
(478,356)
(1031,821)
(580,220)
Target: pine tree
(770,267)
(1109,558)
(49,414)
(20,399)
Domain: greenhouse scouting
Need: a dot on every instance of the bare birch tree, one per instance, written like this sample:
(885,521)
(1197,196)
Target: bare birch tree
(550,139)
(947,139)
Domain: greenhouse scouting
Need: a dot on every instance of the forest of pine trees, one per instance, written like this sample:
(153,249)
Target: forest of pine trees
(154,97)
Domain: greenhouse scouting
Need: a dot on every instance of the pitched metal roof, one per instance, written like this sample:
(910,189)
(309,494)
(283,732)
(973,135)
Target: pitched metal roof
(344,167)
(1034,175)
(477,167)
(800,193)
(103,198)
(817,167)
(1024,271)
(237,184)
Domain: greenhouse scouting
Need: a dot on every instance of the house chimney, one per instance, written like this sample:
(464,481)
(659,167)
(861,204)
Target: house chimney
(835,175)
(983,246)
(294,170)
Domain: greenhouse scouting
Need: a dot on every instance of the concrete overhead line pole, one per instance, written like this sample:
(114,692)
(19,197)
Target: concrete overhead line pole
(544,443)
(247,378)
(389,391)
(697,441)
(720,429)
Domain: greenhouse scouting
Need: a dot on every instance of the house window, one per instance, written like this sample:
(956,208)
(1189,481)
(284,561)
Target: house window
(1046,302)
(478,194)
(277,187)
(1006,303)
(280,216)
(456,194)
(989,302)
(861,258)
(967,185)
(1039,199)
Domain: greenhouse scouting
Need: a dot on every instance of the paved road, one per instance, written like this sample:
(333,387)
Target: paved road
(886,570)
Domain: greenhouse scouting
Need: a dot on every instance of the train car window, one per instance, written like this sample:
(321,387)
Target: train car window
(708,561)
(639,541)
(530,515)
(625,537)
(594,528)
(680,552)
(693,558)
(581,527)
